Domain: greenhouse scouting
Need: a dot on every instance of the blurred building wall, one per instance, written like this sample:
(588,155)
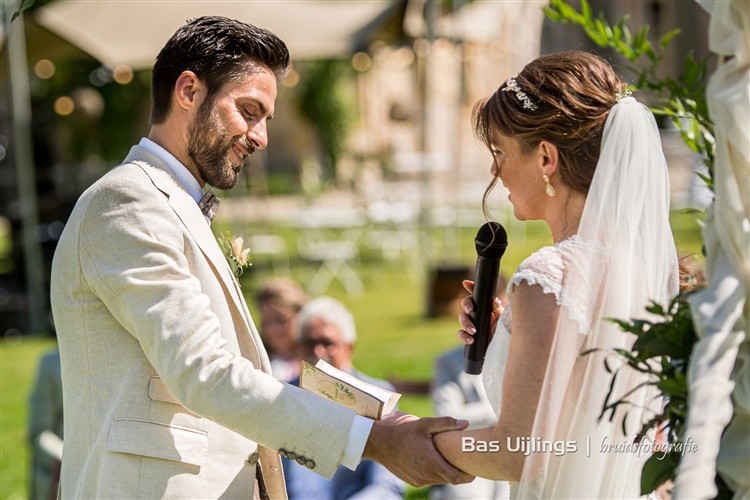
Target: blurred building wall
(435,144)
(414,130)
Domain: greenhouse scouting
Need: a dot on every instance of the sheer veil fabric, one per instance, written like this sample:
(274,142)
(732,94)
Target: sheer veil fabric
(623,257)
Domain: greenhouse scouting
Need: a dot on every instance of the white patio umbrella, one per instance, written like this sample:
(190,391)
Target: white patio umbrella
(132,32)
(719,372)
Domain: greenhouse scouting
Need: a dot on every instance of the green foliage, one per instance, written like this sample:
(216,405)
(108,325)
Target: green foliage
(681,99)
(657,470)
(662,349)
(326,98)
(394,338)
(19,359)
(24,5)
(107,134)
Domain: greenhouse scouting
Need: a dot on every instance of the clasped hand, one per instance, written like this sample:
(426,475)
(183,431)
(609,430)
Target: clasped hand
(403,443)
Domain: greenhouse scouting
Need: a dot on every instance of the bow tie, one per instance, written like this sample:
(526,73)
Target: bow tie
(209,205)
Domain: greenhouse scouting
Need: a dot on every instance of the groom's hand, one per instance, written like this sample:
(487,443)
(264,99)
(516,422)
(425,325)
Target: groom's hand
(403,444)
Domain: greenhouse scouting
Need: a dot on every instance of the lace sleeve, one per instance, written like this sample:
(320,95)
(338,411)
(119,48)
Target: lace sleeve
(548,267)
(544,268)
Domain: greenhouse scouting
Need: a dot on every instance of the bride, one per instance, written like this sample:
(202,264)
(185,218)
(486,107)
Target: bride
(575,150)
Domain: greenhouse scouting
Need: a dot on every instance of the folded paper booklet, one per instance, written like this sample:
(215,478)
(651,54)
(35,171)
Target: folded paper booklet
(366,399)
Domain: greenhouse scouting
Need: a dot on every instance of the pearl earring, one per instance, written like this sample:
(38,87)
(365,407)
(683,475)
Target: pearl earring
(549,189)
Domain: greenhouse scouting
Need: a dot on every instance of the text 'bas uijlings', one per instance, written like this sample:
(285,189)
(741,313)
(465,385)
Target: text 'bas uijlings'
(525,445)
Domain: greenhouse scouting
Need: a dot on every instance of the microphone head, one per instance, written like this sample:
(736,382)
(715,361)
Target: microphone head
(491,240)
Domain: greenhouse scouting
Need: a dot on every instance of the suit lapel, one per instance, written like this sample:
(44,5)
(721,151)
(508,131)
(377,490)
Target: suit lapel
(263,360)
(187,210)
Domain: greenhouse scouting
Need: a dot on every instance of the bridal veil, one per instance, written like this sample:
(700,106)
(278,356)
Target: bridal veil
(623,258)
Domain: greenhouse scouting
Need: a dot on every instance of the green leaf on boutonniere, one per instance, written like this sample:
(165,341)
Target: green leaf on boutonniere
(237,256)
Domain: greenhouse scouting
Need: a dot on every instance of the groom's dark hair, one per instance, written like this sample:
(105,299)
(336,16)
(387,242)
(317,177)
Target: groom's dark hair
(217,49)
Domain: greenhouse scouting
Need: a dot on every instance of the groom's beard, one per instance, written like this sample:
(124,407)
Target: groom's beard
(210,148)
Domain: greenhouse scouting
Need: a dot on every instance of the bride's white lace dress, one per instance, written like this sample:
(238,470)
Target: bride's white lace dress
(544,268)
(571,418)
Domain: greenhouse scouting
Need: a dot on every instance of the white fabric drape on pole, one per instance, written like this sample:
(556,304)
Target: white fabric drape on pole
(719,372)
(23,157)
(132,32)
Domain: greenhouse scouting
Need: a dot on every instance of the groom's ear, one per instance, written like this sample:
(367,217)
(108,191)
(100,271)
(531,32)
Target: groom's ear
(549,157)
(189,91)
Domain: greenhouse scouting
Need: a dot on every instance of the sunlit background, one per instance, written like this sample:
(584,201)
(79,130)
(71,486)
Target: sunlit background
(371,187)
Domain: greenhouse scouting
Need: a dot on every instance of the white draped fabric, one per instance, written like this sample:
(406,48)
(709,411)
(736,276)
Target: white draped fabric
(622,258)
(719,372)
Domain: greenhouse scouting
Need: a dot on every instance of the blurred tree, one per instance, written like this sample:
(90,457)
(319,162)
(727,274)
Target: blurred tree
(327,98)
(82,121)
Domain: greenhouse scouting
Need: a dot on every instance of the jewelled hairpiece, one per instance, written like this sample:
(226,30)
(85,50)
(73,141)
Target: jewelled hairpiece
(624,94)
(512,86)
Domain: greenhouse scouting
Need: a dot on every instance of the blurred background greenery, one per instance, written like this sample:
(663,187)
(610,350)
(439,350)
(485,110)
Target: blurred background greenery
(396,339)
(365,126)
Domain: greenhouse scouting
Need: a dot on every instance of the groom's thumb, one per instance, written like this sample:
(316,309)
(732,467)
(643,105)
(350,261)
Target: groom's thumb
(442,424)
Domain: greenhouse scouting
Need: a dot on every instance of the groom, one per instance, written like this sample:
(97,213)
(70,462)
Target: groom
(167,388)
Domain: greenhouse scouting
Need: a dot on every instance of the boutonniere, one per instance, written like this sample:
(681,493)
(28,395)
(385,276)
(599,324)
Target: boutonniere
(236,254)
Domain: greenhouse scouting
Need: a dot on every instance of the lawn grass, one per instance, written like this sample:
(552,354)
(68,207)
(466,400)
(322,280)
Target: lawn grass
(19,357)
(395,337)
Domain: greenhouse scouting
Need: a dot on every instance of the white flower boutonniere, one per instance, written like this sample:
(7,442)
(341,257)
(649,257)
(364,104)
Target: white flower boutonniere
(238,257)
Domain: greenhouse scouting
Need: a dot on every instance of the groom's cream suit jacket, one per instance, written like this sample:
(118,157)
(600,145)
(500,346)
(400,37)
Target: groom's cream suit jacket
(167,388)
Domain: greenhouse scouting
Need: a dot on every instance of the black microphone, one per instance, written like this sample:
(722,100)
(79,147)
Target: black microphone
(491,242)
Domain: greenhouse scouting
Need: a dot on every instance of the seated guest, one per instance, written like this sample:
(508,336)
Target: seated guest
(326,331)
(455,392)
(279,300)
(46,427)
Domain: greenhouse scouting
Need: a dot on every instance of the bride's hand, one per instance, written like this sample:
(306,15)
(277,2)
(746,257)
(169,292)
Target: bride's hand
(466,334)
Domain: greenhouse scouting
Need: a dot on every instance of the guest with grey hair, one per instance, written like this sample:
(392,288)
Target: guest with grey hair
(326,330)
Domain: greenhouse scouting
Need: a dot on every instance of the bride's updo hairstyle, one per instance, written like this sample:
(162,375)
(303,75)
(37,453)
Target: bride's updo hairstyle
(563,98)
